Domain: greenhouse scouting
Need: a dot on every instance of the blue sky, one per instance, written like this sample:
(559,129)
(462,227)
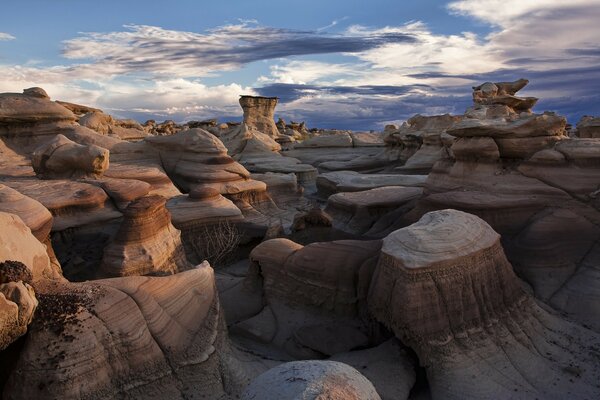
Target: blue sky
(345,64)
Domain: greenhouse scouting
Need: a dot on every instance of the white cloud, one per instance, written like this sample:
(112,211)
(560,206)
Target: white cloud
(6,36)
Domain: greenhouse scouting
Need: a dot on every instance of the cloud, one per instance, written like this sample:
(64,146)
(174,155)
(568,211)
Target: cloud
(6,36)
(158,51)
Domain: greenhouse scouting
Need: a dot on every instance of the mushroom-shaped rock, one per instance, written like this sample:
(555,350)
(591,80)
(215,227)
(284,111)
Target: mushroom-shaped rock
(128,337)
(63,158)
(146,243)
(445,288)
(259,114)
(297,380)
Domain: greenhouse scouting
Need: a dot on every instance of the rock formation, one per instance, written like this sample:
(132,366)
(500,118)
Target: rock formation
(146,243)
(588,127)
(17,301)
(311,380)
(259,114)
(134,337)
(445,287)
(63,158)
(357,212)
(351,181)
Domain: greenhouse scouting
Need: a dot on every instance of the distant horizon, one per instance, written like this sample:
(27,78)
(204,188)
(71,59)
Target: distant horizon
(332,64)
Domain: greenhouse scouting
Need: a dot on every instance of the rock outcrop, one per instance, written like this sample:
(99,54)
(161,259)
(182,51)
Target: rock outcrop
(357,212)
(146,243)
(445,288)
(259,114)
(133,337)
(17,301)
(63,158)
(351,181)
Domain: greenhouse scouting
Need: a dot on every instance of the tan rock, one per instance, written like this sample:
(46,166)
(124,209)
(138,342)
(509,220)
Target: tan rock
(146,243)
(17,243)
(17,306)
(134,337)
(33,213)
(63,158)
(259,114)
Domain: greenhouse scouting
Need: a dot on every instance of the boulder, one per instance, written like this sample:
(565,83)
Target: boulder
(311,380)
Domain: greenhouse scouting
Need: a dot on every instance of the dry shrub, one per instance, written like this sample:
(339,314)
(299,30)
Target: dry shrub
(217,242)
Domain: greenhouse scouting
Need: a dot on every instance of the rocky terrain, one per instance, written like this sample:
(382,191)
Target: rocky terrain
(451,257)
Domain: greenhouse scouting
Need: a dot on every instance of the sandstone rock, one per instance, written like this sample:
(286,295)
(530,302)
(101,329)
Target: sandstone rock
(588,127)
(146,243)
(33,213)
(72,204)
(445,288)
(63,158)
(339,140)
(133,337)
(338,273)
(16,108)
(356,212)
(311,380)
(259,114)
(17,243)
(17,306)
(350,181)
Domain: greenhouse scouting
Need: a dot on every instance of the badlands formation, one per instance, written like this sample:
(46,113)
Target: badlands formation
(452,257)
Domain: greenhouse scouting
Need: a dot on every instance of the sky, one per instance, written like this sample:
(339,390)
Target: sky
(344,64)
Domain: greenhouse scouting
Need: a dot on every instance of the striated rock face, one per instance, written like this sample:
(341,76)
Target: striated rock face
(420,142)
(311,380)
(445,287)
(146,243)
(508,120)
(259,114)
(357,212)
(351,181)
(29,108)
(132,337)
(330,276)
(33,213)
(63,158)
(197,157)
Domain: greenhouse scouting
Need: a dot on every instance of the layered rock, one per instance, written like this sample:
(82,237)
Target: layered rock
(351,181)
(107,125)
(33,213)
(357,212)
(196,157)
(146,243)
(445,287)
(420,142)
(314,294)
(588,127)
(259,114)
(133,337)
(63,158)
(508,120)
(311,380)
